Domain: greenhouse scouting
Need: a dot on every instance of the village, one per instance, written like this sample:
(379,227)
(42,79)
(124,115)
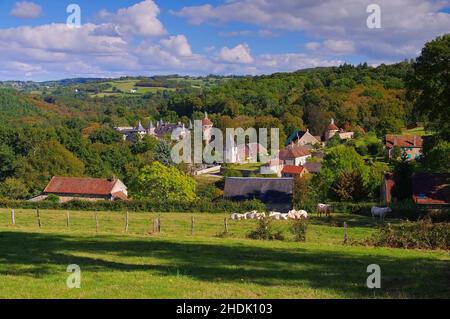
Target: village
(202,151)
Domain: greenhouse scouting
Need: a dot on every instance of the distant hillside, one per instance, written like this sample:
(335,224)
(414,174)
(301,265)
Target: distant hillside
(20,109)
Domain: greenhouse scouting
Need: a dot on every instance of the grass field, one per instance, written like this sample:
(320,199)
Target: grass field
(177,264)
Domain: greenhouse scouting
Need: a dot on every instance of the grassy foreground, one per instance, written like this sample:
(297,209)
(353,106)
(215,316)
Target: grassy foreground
(177,264)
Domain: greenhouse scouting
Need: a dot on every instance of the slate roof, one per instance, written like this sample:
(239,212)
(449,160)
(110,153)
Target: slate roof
(313,168)
(264,189)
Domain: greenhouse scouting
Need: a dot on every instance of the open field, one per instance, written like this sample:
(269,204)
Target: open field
(177,264)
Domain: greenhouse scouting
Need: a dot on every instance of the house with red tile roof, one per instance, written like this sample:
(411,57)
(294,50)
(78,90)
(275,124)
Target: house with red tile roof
(295,155)
(293,171)
(410,145)
(87,189)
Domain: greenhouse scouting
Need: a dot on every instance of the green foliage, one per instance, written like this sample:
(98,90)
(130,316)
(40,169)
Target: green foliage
(349,186)
(299,229)
(53,198)
(429,84)
(438,158)
(265,231)
(304,196)
(163,153)
(13,188)
(47,160)
(334,141)
(160,182)
(422,234)
(105,135)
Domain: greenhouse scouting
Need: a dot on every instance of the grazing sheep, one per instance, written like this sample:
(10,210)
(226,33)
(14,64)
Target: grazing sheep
(238,216)
(297,215)
(324,208)
(380,211)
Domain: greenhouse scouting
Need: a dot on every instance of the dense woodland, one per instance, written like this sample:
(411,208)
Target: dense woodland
(66,131)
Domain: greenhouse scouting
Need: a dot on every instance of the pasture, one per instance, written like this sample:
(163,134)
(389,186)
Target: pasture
(178,264)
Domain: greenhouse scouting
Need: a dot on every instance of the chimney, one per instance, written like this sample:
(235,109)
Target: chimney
(395,140)
(415,140)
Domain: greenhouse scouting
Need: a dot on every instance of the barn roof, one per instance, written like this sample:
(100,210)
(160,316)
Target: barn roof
(312,167)
(80,186)
(403,141)
(294,151)
(291,169)
(265,189)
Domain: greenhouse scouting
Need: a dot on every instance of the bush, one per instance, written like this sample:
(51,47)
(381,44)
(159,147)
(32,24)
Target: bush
(422,234)
(265,231)
(206,206)
(53,198)
(299,228)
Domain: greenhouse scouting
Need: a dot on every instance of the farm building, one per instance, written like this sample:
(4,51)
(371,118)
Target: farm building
(87,189)
(303,138)
(410,145)
(276,193)
(428,188)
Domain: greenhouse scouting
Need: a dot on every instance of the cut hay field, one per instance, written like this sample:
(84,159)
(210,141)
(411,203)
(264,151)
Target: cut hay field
(178,264)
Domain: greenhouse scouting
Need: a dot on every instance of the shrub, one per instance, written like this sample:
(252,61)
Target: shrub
(264,231)
(53,198)
(422,234)
(299,228)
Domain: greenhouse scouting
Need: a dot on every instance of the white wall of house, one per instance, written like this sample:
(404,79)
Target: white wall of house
(119,187)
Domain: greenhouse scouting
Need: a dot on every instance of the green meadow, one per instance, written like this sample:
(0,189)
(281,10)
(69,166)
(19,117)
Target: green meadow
(179,263)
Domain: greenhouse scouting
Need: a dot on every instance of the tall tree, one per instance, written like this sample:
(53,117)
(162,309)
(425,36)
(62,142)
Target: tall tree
(430,84)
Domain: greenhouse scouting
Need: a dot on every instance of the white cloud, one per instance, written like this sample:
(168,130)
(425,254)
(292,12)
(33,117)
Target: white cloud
(339,46)
(178,45)
(121,44)
(238,54)
(406,24)
(26,10)
(312,46)
(140,19)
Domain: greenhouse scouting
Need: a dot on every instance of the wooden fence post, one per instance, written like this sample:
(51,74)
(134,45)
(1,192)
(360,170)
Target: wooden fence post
(345,233)
(159,223)
(226,225)
(38,215)
(192,225)
(13,217)
(96,223)
(68,219)
(126,222)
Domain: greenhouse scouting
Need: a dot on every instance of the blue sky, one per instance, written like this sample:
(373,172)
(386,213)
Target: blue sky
(199,37)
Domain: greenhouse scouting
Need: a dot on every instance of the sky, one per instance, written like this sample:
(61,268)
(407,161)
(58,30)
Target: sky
(201,37)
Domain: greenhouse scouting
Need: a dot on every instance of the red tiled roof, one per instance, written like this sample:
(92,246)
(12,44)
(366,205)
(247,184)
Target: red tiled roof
(332,127)
(80,186)
(403,141)
(294,151)
(290,169)
(431,188)
(206,122)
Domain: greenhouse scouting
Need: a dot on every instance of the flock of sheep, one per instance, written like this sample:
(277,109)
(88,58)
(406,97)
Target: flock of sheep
(301,214)
(293,214)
